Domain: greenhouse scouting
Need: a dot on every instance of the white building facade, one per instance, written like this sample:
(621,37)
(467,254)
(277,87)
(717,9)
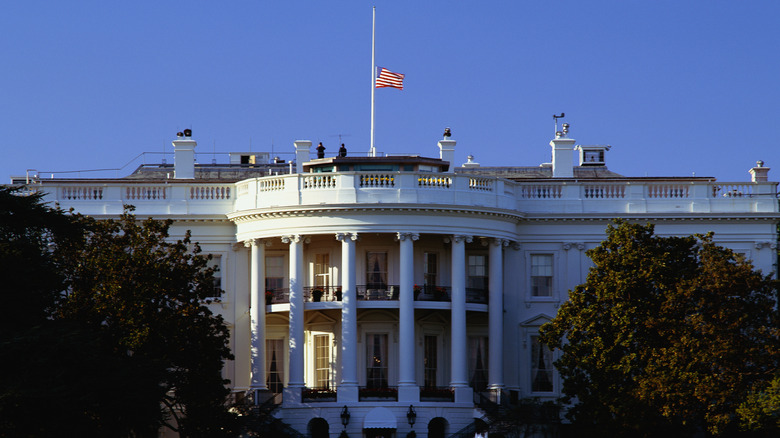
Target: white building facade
(360,290)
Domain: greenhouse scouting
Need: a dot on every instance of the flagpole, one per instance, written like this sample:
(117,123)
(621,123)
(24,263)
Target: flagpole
(372,151)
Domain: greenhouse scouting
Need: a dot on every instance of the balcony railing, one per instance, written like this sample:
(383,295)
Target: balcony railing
(318,394)
(476,295)
(388,292)
(316,294)
(429,292)
(437,393)
(385,393)
(277,296)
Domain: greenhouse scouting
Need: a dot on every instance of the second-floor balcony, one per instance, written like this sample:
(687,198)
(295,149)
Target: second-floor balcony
(392,292)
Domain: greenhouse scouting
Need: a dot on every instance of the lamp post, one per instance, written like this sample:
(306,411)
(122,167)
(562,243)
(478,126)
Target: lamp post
(345,416)
(411,415)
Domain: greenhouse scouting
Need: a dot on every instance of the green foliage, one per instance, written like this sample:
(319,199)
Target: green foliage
(149,296)
(105,330)
(761,409)
(667,336)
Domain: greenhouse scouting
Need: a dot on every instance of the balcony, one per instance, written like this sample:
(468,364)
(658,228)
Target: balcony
(318,395)
(436,394)
(429,292)
(387,292)
(317,294)
(385,393)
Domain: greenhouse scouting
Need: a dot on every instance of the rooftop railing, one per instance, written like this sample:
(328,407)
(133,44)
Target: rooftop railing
(425,189)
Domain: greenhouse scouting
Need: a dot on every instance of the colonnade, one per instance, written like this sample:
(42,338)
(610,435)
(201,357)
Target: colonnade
(408,389)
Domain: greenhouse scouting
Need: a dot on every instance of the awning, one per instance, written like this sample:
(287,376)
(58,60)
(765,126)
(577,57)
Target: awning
(379,418)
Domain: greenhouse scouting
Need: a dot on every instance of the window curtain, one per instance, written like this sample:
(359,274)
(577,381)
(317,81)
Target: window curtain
(274,359)
(541,367)
(478,354)
(376,362)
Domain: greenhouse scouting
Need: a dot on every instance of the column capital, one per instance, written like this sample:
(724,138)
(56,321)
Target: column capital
(238,246)
(457,238)
(517,246)
(499,242)
(403,236)
(295,238)
(569,245)
(343,237)
(256,242)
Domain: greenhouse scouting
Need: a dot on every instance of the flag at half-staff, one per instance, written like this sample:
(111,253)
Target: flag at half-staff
(386,78)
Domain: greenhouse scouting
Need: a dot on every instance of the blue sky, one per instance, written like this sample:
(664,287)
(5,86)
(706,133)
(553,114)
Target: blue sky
(676,87)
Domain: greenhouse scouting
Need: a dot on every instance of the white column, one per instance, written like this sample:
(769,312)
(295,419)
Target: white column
(496,315)
(257,380)
(459,342)
(407,384)
(348,389)
(295,381)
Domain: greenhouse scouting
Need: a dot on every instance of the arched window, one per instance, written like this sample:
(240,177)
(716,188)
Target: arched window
(318,428)
(437,428)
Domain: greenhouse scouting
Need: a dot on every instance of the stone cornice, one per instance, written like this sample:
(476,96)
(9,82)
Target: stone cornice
(304,211)
(688,217)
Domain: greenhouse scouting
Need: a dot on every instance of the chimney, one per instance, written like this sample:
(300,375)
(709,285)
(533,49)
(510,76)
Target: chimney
(184,155)
(302,154)
(759,173)
(563,154)
(447,150)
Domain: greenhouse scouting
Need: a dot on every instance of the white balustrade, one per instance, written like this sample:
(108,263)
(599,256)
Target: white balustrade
(436,181)
(425,188)
(377,180)
(319,182)
(210,192)
(484,184)
(603,191)
(74,193)
(732,190)
(270,184)
(667,191)
(541,191)
(145,193)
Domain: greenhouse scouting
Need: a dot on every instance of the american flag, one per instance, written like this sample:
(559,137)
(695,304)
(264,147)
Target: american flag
(386,78)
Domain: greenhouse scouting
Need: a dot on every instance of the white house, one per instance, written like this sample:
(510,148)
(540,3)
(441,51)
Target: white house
(362,290)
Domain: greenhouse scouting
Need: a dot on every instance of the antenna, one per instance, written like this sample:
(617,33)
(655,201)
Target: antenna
(556,121)
(340,135)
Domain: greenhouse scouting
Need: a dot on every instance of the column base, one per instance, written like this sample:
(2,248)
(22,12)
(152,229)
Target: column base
(261,396)
(464,394)
(345,394)
(409,394)
(291,395)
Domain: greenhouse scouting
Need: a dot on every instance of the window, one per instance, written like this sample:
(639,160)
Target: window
(430,361)
(430,269)
(376,360)
(322,270)
(274,273)
(216,264)
(376,270)
(541,275)
(541,366)
(322,361)
(274,360)
(477,272)
(478,365)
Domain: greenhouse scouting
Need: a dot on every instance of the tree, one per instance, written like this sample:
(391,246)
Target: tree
(55,376)
(667,335)
(104,328)
(149,296)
